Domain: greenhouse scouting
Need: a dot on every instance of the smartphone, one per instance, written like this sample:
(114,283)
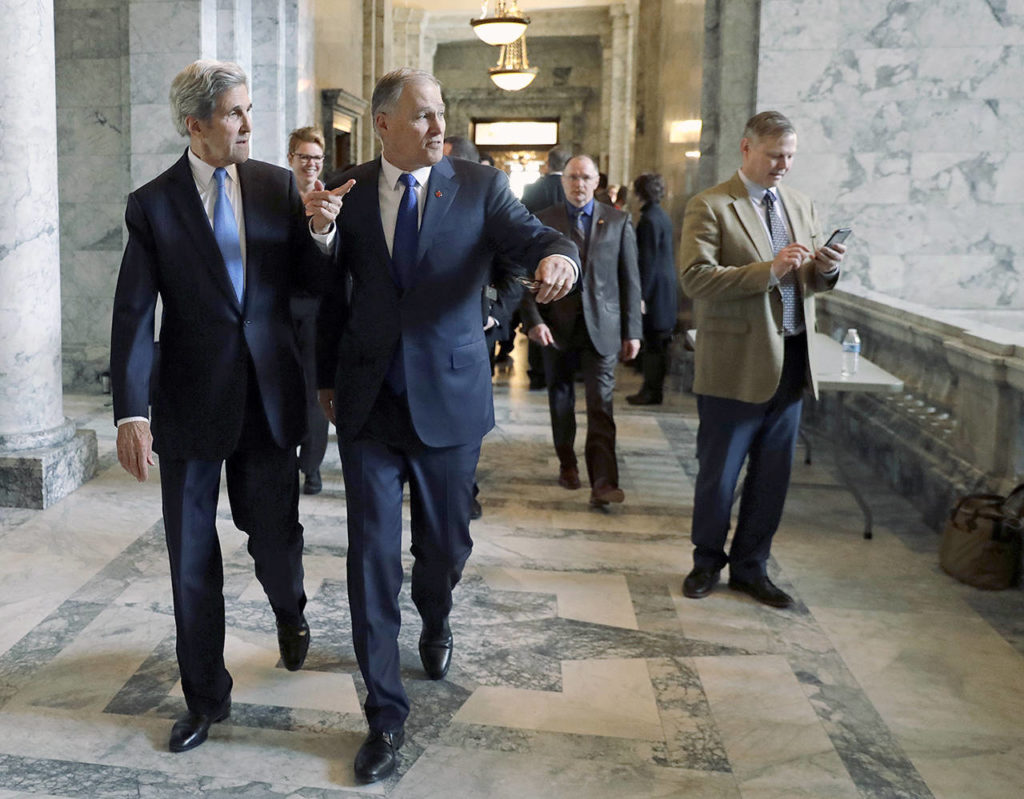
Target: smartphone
(839,235)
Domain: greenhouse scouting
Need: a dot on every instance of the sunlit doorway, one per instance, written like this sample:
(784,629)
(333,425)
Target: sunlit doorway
(519,146)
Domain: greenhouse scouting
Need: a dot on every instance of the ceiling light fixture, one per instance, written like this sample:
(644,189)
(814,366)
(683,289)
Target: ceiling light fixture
(507,24)
(513,71)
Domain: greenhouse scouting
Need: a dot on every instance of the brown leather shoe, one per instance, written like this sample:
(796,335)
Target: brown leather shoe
(606,494)
(569,477)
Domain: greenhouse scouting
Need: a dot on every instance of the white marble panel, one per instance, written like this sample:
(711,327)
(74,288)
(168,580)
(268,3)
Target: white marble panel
(166,27)
(153,130)
(91,131)
(85,178)
(91,227)
(89,32)
(800,24)
(89,82)
(151,78)
(91,274)
(879,23)
(146,166)
(593,598)
(776,745)
(610,697)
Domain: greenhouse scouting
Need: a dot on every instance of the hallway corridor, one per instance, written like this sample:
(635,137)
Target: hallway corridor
(579,668)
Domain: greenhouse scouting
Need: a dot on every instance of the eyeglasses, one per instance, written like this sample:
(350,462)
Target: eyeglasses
(309,159)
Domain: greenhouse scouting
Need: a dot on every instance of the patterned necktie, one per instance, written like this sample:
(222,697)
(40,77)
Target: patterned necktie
(792,312)
(579,233)
(225,231)
(403,259)
(407,235)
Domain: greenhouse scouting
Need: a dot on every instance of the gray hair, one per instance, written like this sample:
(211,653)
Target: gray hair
(389,88)
(768,125)
(194,90)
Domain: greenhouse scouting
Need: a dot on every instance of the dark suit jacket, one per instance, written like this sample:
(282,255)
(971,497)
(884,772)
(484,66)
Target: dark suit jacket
(657,269)
(199,389)
(610,286)
(543,192)
(469,215)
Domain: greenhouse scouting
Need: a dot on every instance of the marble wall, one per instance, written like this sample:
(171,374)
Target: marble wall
(909,115)
(114,64)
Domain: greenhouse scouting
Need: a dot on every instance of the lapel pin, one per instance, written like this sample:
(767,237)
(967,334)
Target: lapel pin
(438,194)
(600,221)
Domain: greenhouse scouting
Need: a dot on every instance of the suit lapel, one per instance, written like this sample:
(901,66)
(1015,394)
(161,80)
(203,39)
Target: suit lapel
(749,219)
(437,198)
(254,222)
(197,226)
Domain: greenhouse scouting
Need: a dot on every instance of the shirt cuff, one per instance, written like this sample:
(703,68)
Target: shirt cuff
(571,262)
(323,240)
(131,419)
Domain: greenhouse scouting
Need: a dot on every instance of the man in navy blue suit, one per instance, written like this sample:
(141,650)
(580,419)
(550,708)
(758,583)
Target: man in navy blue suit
(222,240)
(405,376)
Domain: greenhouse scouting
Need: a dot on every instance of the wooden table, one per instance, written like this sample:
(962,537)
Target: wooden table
(826,363)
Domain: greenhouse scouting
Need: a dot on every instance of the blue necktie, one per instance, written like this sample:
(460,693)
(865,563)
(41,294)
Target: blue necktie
(225,230)
(403,260)
(407,234)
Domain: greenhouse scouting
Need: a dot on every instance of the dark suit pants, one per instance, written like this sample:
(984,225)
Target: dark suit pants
(314,445)
(599,383)
(263,491)
(764,434)
(440,492)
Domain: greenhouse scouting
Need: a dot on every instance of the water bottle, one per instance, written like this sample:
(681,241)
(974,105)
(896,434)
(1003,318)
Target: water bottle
(851,352)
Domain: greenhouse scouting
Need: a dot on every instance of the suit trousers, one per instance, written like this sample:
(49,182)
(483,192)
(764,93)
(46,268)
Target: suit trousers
(599,383)
(764,434)
(263,491)
(314,445)
(440,492)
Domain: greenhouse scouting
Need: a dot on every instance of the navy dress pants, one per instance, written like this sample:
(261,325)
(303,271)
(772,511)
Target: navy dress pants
(764,434)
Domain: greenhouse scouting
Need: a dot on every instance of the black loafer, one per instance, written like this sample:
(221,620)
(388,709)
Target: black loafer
(293,643)
(377,758)
(763,590)
(436,653)
(190,731)
(699,582)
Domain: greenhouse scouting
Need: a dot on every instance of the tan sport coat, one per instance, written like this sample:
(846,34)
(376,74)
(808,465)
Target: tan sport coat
(725,267)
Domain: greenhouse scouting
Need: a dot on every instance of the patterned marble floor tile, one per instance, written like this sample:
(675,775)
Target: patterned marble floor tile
(594,598)
(502,775)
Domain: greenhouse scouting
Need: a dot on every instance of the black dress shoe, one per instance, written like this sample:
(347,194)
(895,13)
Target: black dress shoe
(191,730)
(641,398)
(293,643)
(699,582)
(763,590)
(378,756)
(436,652)
(475,511)
(313,484)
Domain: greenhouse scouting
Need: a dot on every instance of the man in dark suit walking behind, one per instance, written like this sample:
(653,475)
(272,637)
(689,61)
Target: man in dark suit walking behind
(591,328)
(406,378)
(221,240)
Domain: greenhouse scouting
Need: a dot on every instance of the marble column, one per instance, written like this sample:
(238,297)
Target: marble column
(267,86)
(378,41)
(618,89)
(42,456)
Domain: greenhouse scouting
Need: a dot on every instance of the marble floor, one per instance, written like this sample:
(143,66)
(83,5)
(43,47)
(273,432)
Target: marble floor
(579,669)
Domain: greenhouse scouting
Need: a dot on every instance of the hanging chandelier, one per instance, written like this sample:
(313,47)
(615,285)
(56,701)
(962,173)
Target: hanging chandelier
(513,71)
(507,24)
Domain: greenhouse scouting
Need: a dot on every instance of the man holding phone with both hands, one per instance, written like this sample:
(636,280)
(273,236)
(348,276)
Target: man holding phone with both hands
(752,260)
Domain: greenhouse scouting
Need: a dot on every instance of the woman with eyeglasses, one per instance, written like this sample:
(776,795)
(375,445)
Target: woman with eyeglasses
(306,158)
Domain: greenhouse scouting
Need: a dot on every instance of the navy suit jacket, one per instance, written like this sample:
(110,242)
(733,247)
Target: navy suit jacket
(199,387)
(658,279)
(469,215)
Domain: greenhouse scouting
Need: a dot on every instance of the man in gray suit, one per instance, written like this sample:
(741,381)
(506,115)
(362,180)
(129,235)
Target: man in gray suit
(591,328)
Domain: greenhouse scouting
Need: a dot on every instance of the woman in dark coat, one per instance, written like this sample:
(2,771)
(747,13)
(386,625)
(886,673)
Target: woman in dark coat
(658,284)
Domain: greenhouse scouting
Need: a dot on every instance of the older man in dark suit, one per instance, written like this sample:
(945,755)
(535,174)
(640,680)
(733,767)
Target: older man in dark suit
(222,241)
(590,329)
(406,377)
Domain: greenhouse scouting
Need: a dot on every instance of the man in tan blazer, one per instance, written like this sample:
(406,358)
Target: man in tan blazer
(589,329)
(752,260)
